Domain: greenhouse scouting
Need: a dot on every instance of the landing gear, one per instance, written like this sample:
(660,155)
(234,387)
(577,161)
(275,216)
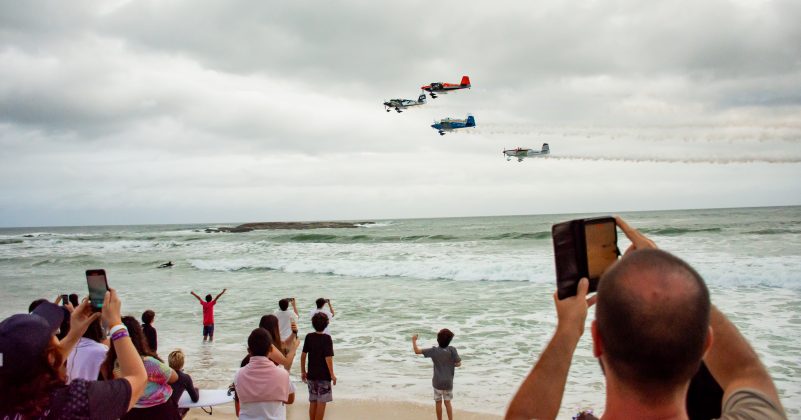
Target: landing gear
(399,110)
(441,133)
(388,110)
(433,96)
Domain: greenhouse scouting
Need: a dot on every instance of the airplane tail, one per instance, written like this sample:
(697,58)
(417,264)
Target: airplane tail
(471,121)
(546,149)
(465,81)
(422,98)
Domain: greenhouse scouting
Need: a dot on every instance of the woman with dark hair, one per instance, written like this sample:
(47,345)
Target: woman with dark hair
(154,402)
(32,376)
(88,355)
(279,354)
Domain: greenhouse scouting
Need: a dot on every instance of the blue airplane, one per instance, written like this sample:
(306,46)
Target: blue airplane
(450,124)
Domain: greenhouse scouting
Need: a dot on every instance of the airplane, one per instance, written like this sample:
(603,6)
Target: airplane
(443,88)
(401,104)
(521,153)
(450,124)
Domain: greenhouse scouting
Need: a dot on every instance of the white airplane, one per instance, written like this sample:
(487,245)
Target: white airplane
(401,104)
(521,153)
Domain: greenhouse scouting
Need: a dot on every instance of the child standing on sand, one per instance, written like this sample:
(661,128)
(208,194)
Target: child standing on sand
(319,374)
(445,359)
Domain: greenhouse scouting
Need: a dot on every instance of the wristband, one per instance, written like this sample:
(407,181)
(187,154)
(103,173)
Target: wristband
(117,328)
(119,334)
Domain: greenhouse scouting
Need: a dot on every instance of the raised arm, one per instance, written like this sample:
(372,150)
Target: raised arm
(331,307)
(80,319)
(540,395)
(221,293)
(131,367)
(414,345)
(196,296)
(294,307)
(276,356)
(733,363)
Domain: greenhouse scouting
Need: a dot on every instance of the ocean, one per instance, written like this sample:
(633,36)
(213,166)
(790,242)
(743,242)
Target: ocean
(488,279)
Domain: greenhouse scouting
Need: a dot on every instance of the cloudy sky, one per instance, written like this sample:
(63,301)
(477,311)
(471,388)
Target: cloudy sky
(164,111)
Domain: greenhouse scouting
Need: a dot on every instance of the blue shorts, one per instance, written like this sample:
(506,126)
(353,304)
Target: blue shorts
(208,330)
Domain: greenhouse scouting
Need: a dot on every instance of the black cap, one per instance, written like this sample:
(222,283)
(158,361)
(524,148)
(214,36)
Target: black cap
(24,337)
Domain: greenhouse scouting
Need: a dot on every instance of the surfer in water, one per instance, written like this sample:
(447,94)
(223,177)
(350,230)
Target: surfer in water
(167,264)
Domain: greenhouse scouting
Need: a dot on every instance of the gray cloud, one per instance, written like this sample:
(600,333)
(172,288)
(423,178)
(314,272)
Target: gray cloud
(198,100)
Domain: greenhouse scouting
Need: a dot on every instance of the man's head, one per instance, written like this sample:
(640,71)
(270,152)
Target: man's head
(651,322)
(208,298)
(444,337)
(259,342)
(320,321)
(320,303)
(148,316)
(283,304)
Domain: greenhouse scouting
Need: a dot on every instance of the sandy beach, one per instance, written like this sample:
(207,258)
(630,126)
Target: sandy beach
(351,409)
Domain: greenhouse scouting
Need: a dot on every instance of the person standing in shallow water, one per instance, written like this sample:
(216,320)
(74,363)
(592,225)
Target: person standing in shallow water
(208,314)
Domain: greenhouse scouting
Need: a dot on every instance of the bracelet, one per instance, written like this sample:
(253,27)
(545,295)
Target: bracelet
(119,334)
(117,328)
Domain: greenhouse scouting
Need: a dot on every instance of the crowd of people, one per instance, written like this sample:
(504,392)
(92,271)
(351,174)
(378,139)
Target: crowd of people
(664,349)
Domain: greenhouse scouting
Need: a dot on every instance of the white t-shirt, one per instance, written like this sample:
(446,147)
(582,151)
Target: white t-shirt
(330,318)
(285,322)
(85,359)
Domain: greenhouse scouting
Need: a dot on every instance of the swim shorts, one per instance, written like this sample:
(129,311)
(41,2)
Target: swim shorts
(320,391)
(208,330)
(443,394)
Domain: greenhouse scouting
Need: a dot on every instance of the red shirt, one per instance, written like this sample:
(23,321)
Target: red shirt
(208,312)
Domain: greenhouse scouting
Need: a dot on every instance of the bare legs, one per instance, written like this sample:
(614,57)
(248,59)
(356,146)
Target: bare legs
(316,410)
(448,409)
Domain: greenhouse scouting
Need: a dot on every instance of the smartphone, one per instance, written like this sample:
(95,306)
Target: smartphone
(65,299)
(583,248)
(98,286)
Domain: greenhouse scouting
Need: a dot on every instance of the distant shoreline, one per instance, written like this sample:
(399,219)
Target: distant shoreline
(249,227)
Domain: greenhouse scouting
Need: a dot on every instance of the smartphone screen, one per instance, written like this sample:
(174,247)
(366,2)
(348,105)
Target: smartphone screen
(98,285)
(65,299)
(601,239)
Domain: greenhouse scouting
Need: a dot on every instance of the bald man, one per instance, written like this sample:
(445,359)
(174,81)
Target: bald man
(654,324)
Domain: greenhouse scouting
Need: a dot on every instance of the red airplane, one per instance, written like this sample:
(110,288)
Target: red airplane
(440,87)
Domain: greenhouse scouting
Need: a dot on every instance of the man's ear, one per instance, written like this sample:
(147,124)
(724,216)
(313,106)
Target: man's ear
(597,342)
(710,338)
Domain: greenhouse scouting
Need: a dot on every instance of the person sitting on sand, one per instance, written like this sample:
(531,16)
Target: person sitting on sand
(184,382)
(155,401)
(654,323)
(319,374)
(208,314)
(445,358)
(262,388)
(320,309)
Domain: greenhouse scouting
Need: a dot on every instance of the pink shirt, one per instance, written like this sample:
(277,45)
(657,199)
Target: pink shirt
(208,312)
(262,381)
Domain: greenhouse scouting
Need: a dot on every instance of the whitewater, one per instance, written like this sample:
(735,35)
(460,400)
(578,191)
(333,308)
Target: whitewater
(489,279)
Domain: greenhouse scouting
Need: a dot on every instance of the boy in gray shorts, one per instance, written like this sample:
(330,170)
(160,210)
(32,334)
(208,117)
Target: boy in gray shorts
(445,359)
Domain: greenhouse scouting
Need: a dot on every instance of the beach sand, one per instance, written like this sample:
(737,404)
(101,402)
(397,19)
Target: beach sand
(351,409)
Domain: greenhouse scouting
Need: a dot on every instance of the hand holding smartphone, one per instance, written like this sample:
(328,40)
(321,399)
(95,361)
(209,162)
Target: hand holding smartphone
(583,248)
(98,286)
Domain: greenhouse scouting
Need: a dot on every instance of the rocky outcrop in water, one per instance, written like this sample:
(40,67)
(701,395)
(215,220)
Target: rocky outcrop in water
(248,227)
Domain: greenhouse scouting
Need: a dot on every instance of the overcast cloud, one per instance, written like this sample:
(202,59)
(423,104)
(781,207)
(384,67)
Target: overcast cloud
(226,111)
